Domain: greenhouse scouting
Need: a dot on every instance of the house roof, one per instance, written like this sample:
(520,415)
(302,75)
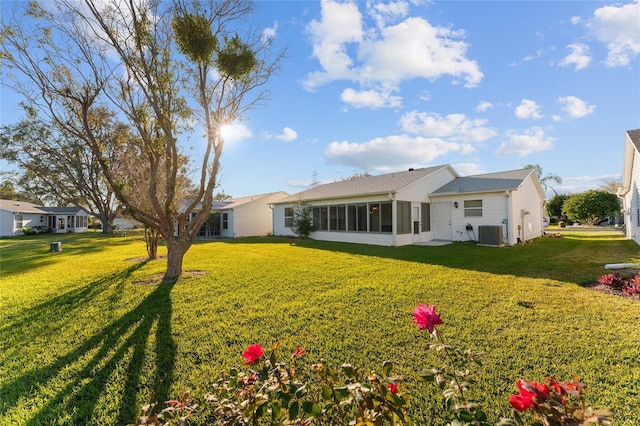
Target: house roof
(634,136)
(370,185)
(63,210)
(237,202)
(489,182)
(21,207)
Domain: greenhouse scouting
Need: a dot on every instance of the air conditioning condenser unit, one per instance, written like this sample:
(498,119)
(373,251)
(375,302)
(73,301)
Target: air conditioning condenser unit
(490,236)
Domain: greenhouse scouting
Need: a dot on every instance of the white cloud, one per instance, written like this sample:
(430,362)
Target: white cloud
(383,13)
(270,32)
(575,20)
(340,25)
(468,169)
(618,28)
(287,135)
(416,49)
(484,106)
(522,144)
(528,109)
(455,127)
(386,55)
(370,99)
(579,58)
(575,107)
(390,153)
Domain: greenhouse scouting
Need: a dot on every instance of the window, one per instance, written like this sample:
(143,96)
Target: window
(357,217)
(288,217)
(473,208)
(18,220)
(337,218)
(225,220)
(321,218)
(426,217)
(404,217)
(380,217)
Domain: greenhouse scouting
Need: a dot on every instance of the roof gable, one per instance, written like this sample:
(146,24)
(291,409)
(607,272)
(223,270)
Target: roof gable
(634,137)
(489,182)
(370,185)
(237,202)
(631,149)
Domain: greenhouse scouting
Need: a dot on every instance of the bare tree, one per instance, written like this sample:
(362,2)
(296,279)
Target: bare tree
(163,67)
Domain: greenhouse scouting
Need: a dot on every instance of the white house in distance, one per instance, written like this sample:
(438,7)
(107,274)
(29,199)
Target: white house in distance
(241,217)
(248,216)
(16,215)
(630,189)
(422,205)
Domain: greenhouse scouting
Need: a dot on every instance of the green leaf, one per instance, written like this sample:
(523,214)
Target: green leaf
(312,409)
(327,393)
(294,410)
(386,368)
(348,370)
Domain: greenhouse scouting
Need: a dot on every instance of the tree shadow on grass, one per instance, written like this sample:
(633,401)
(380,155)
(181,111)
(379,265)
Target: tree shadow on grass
(128,343)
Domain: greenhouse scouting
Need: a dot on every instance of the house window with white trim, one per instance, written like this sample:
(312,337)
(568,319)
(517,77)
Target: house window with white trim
(18,220)
(288,217)
(473,208)
(321,218)
(225,220)
(426,217)
(357,218)
(337,218)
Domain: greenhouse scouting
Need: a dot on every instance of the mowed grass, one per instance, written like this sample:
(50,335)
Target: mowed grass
(88,337)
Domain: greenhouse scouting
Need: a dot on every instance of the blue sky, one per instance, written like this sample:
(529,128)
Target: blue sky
(484,86)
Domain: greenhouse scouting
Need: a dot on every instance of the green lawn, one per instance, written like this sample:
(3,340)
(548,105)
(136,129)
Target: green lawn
(87,337)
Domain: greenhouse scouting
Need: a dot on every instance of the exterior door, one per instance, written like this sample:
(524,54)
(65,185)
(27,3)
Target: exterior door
(441,221)
(415,224)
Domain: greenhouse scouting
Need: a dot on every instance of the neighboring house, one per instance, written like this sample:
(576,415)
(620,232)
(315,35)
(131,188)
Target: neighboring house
(248,216)
(16,215)
(420,205)
(630,189)
(512,200)
(241,217)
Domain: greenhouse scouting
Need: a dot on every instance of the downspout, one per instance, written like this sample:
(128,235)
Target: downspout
(509,214)
(394,220)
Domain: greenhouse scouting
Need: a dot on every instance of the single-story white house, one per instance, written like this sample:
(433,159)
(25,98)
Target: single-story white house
(241,217)
(630,188)
(248,216)
(422,205)
(16,215)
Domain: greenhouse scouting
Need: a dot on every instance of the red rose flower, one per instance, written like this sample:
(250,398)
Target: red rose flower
(521,403)
(252,354)
(426,317)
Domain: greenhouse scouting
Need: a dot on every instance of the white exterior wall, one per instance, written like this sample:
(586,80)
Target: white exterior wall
(6,223)
(494,212)
(632,201)
(253,218)
(526,198)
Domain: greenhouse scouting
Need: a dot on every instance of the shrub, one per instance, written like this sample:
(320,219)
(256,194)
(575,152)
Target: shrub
(613,280)
(633,285)
(275,393)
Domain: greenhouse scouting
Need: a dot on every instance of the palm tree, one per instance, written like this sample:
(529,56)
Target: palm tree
(544,180)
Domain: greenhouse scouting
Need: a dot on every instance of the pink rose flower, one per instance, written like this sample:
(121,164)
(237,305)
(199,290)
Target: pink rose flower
(393,388)
(252,354)
(426,317)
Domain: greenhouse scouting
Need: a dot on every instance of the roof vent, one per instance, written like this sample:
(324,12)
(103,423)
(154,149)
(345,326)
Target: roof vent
(411,169)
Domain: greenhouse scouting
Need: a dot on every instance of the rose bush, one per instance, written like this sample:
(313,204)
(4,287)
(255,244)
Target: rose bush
(276,393)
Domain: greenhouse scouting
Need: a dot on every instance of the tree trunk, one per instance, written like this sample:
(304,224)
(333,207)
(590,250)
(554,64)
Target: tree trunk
(151,238)
(175,254)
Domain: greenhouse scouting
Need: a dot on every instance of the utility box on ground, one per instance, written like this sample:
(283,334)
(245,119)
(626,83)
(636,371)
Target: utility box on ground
(55,246)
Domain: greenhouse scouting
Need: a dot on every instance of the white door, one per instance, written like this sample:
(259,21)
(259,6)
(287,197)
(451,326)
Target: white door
(415,224)
(441,221)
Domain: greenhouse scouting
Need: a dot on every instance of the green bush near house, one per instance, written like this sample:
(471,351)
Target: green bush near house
(87,336)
